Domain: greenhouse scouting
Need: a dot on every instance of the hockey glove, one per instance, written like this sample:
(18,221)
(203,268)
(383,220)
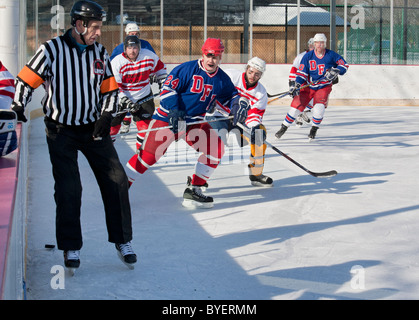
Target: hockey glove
(125,104)
(331,74)
(8,137)
(258,135)
(103,125)
(294,88)
(239,111)
(174,117)
(291,84)
(160,80)
(20,112)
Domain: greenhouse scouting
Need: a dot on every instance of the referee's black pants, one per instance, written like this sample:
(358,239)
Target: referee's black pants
(64,142)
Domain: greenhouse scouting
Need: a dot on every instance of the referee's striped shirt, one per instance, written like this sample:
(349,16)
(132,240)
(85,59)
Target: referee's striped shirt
(79,85)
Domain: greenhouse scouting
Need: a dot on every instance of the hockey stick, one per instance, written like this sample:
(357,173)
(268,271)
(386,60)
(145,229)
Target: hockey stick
(286,93)
(278,94)
(283,94)
(137,104)
(187,124)
(325,174)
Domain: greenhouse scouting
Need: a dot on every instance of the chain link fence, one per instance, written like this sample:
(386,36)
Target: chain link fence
(376,32)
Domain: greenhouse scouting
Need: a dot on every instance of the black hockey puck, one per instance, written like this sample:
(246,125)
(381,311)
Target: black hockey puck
(49,246)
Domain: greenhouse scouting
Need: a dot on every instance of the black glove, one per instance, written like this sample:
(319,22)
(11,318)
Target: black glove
(152,78)
(332,74)
(20,112)
(160,80)
(103,125)
(258,135)
(174,116)
(294,88)
(125,104)
(239,111)
(291,84)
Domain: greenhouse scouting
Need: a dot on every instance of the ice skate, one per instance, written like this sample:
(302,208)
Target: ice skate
(305,117)
(125,127)
(299,121)
(189,183)
(312,133)
(281,131)
(72,260)
(126,254)
(194,198)
(261,181)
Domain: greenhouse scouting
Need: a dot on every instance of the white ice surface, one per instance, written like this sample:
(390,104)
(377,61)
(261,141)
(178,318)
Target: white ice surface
(297,240)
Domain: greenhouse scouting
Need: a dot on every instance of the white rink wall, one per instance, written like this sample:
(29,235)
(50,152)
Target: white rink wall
(364,82)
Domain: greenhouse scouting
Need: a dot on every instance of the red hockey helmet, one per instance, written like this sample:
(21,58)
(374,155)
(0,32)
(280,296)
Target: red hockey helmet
(213,46)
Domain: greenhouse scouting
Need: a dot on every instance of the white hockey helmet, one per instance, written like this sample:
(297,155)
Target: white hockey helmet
(320,37)
(132,27)
(310,42)
(257,63)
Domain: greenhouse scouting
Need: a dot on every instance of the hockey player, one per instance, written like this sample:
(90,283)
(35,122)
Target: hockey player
(132,70)
(298,114)
(248,85)
(80,99)
(188,92)
(8,137)
(320,68)
(302,117)
(132,29)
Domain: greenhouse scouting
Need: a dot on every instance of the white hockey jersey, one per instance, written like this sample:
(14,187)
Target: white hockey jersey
(257,97)
(133,76)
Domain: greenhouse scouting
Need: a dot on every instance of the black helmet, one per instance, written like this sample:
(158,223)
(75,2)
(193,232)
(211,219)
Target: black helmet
(131,40)
(86,10)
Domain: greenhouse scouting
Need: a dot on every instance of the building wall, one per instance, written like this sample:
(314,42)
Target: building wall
(186,41)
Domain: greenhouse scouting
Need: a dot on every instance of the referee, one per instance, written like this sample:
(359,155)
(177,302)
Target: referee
(79,104)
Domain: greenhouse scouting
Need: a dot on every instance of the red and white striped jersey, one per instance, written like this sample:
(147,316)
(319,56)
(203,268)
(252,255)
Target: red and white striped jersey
(295,65)
(7,87)
(133,76)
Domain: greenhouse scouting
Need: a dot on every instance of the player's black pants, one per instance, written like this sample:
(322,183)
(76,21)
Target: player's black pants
(64,142)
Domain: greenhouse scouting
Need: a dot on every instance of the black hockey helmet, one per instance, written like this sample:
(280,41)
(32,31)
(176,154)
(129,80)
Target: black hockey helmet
(130,41)
(86,10)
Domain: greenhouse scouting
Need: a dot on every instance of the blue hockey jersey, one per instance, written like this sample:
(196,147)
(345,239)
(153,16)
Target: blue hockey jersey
(190,88)
(312,68)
